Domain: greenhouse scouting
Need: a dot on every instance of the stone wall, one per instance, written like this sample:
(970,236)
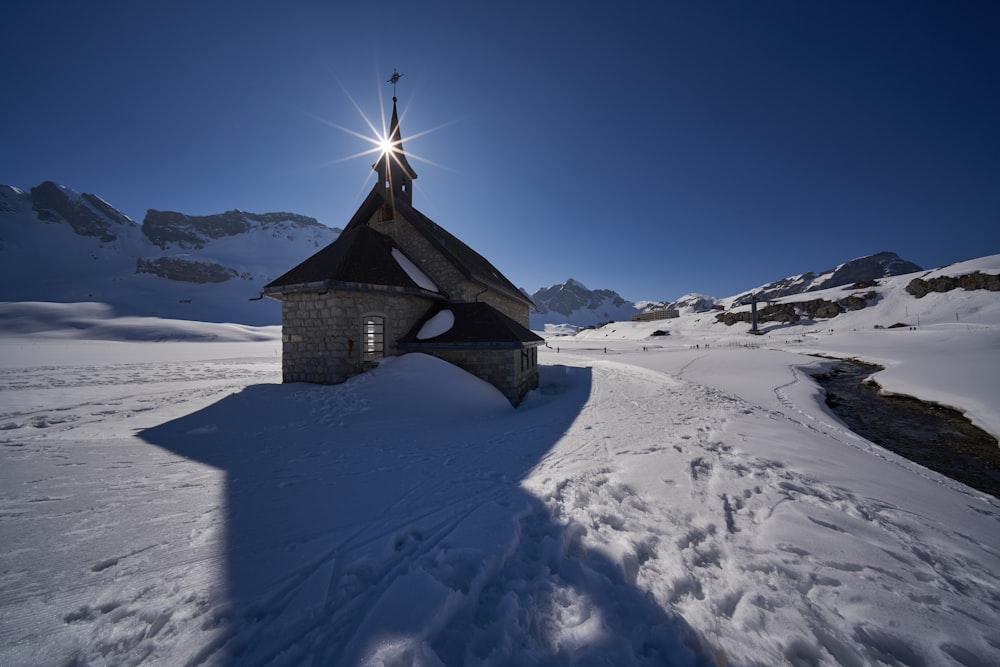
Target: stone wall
(322,341)
(515,310)
(322,333)
(448,279)
(439,268)
(504,369)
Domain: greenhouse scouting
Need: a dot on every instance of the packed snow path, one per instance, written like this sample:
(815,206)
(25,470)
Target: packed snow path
(637,509)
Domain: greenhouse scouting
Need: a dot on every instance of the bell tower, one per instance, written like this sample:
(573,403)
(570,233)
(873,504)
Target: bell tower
(395,175)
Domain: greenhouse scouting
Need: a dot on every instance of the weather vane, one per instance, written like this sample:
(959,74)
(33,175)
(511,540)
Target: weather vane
(394,79)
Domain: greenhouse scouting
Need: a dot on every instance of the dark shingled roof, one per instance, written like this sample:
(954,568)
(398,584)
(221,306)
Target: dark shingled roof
(360,255)
(477,325)
(469,263)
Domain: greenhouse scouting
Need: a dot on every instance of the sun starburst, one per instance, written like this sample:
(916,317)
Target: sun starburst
(378,137)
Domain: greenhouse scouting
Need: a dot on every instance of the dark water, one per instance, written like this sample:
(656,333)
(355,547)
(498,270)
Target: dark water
(935,437)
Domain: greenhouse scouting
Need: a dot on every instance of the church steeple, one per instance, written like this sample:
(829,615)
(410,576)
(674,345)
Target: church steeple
(395,174)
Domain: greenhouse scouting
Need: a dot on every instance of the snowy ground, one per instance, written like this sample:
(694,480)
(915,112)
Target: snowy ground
(679,500)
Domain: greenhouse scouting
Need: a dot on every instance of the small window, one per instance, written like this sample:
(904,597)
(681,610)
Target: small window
(373,337)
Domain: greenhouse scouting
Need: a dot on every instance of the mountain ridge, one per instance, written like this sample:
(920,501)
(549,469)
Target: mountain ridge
(572,303)
(78,247)
(210,267)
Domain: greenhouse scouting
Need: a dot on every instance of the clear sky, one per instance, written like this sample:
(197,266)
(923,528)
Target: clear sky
(653,148)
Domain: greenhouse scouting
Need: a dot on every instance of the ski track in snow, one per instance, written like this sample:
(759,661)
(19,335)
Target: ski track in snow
(648,528)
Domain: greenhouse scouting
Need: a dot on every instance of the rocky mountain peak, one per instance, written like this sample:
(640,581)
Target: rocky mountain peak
(571,301)
(870,267)
(87,214)
(879,265)
(572,295)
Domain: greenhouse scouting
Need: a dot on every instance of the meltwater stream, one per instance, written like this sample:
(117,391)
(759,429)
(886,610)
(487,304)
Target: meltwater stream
(936,437)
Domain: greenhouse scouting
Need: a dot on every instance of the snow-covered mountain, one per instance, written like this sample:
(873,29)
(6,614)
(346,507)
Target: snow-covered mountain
(687,304)
(862,269)
(572,302)
(60,245)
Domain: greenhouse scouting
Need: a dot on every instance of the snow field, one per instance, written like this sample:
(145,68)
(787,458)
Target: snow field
(757,543)
(690,503)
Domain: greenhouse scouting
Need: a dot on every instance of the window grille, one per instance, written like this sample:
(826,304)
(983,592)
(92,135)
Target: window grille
(373,337)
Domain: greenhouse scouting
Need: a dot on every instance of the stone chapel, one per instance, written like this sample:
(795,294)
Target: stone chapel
(395,281)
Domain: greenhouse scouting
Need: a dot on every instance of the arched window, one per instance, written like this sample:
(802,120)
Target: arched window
(372,337)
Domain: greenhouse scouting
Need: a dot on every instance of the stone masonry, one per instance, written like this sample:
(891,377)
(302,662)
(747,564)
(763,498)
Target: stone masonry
(514,372)
(443,272)
(322,333)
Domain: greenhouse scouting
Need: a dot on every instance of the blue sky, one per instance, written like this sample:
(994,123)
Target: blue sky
(653,148)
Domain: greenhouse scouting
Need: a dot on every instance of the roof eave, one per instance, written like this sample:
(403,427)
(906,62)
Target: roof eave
(471,345)
(518,295)
(275,292)
(476,277)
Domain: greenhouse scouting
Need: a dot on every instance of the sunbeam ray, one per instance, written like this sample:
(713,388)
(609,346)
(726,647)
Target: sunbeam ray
(380,140)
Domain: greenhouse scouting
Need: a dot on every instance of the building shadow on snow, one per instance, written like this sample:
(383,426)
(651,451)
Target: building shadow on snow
(357,528)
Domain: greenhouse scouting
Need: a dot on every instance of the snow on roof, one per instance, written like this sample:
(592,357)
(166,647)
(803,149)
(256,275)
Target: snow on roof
(440,323)
(414,272)
(471,323)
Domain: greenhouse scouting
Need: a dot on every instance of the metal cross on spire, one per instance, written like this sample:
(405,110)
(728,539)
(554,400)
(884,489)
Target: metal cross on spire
(394,79)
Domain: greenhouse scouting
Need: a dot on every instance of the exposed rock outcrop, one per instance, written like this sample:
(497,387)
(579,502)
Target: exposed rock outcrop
(919,287)
(794,311)
(172,229)
(185,270)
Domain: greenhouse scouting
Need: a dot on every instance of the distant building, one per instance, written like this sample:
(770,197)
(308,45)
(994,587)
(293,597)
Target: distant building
(660,314)
(395,281)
